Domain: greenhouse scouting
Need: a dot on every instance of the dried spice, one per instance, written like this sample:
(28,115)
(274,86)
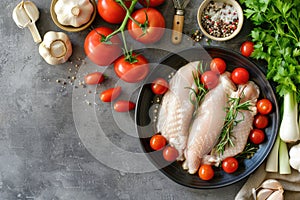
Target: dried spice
(219,19)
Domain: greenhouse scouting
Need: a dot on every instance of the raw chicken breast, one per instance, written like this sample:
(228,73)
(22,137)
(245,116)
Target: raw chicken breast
(208,123)
(241,131)
(176,110)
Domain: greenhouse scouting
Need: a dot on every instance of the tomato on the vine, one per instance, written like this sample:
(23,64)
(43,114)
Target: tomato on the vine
(218,65)
(261,121)
(264,106)
(170,153)
(257,136)
(230,165)
(158,142)
(240,75)
(210,79)
(151,3)
(132,71)
(124,106)
(247,48)
(110,94)
(206,172)
(111,11)
(101,53)
(159,86)
(151,30)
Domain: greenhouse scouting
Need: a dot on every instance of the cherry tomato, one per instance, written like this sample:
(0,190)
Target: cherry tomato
(94,78)
(158,142)
(210,79)
(261,121)
(257,136)
(218,65)
(247,48)
(111,11)
(240,75)
(264,106)
(110,94)
(152,3)
(159,86)
(170,153)
(206,172)
(124,106)
(230,165)
(100,53)
(153,31)
(132,72)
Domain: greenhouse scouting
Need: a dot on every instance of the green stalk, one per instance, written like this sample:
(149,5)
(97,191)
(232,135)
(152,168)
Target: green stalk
(272,160)
(284,164)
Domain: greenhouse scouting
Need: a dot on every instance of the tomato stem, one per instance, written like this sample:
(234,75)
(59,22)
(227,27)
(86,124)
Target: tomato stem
(128,13)
(128,54)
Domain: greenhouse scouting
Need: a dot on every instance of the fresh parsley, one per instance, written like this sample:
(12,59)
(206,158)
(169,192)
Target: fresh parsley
(277,40)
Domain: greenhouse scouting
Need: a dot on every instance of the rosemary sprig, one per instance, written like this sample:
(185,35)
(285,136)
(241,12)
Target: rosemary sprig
(249,150)
(196,96)
(232,111)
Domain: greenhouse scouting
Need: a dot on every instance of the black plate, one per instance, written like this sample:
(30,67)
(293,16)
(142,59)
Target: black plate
(146,109)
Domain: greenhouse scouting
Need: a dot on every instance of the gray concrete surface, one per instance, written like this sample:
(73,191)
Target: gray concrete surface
(41,154)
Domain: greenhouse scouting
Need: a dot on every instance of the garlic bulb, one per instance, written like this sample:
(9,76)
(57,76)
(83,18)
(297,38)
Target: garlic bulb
(56,48)
(73,12)
(294,157)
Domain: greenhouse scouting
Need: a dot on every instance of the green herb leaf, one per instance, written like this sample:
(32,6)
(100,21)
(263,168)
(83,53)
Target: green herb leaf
(277,40)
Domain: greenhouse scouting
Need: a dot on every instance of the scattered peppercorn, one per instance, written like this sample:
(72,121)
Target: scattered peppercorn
(219,19)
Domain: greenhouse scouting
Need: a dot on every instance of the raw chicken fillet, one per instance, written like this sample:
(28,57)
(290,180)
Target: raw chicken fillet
(176,110)
(240,132)
(208,123)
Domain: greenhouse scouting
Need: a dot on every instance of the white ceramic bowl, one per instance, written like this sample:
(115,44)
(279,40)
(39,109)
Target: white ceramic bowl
(239,10)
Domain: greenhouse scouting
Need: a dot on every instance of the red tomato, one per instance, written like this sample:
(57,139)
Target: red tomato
(100,53)
(210,79)
(159,86)
(218,65)
(206,172)
(240,75)
(152,3)
(111,11)
(261,121)
(257,136)
(154,29)
(247,48)
(94,78)
(132,72)
(230,165)
(124,106)
(264,106)
(158,142)
(170,154)
(110,94)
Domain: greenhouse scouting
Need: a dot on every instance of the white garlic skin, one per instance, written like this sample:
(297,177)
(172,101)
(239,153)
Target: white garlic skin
(73,12)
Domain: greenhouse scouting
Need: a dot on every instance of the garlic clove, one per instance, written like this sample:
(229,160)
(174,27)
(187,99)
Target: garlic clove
(20,16)
(254,193)
(276,195)
(26,14)
(31,10)
(263,194)
(271,184)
